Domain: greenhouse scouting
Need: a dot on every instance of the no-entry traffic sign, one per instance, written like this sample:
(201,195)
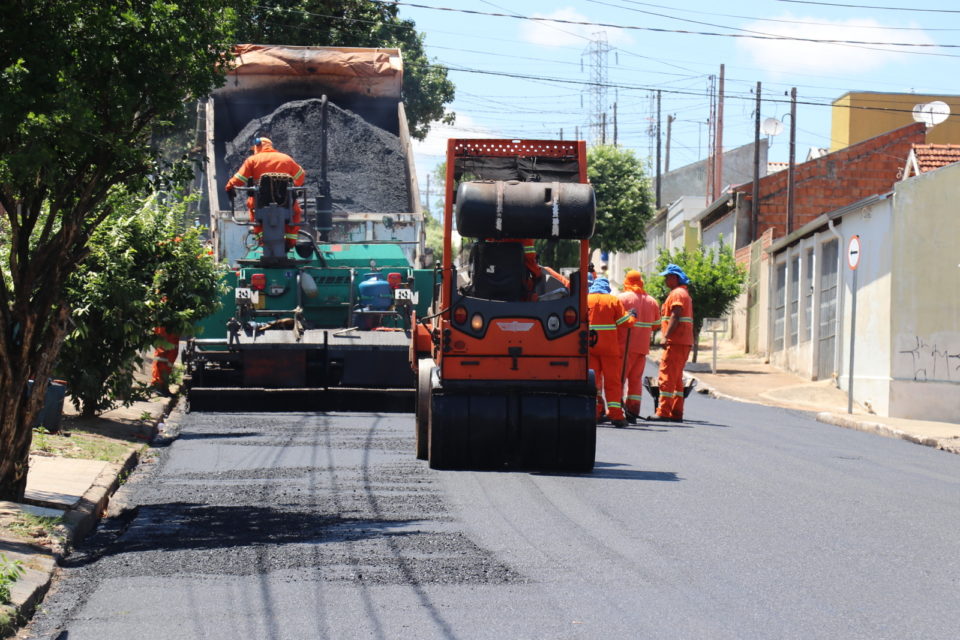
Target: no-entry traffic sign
(853,252)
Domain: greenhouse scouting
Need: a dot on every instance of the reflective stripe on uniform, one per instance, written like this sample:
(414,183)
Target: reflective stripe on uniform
(614,405)
(242,178)
(634,397)
(603,327)
(297,177)
(685,319)
(625,318)
(290,236)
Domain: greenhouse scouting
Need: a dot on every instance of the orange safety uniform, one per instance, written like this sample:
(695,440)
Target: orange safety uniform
(165,354)
(608,319)
(646,311)
(675,353)
(266,159)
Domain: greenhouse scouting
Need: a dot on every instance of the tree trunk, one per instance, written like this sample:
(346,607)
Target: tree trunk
(31,360)
(17,409)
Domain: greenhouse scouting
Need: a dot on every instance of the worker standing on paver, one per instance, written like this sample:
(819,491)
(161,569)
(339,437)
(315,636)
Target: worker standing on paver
(646,313)
(266,159)
(676,335)
(608,319)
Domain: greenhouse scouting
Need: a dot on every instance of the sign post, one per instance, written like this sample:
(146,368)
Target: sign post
(714,326)
(853,261)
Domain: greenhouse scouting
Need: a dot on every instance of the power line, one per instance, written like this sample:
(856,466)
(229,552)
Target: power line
(727,94)
(867,6)
(662,30)
(779,20)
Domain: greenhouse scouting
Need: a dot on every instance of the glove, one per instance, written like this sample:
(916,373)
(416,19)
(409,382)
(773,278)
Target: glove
(232,195)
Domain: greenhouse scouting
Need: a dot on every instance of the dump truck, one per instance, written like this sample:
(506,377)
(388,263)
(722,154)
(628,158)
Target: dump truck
(324,325)
(503,379)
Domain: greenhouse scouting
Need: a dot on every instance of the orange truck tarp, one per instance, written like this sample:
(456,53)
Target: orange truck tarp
(371,72)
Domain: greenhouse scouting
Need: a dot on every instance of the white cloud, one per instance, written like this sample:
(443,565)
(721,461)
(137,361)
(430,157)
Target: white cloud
(782,57)
(432,150)
(556,34)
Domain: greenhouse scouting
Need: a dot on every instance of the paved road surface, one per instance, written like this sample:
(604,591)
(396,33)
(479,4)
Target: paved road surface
(746,522)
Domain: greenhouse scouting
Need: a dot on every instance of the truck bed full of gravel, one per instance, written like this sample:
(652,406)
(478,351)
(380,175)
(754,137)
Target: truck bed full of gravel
(366,165)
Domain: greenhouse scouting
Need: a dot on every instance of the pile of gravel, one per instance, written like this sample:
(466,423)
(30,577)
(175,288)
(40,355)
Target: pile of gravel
(366,165)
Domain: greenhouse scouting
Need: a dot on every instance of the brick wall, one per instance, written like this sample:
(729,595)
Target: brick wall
(835,180)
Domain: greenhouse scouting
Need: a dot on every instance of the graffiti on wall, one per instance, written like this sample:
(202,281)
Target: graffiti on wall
(929,360)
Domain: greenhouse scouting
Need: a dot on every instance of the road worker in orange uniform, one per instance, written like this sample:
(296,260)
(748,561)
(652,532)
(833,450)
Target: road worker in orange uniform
(646,311)
(676,331)
(164,355)
(608,319)
(266,159)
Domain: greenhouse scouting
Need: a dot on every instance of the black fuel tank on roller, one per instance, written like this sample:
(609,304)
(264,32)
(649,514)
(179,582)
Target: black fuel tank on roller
(513,209)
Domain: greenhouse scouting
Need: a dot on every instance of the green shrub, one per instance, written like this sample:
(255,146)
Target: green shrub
(10,571)
(145,270)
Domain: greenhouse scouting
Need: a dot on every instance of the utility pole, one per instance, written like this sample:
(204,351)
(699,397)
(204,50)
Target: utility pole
(561,133)
(614,124)
(429,210)
(666,161)
(711,138)
(718,153)
(755,209)
(658,150)
(603,128)
(576,133)
(793,162)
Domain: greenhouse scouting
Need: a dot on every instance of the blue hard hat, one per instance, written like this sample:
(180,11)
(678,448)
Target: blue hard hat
(600,285)
(677,271)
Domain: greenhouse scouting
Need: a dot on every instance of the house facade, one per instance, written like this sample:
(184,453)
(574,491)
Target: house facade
(906,341)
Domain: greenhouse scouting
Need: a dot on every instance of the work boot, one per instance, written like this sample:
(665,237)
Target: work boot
(631,417)
(619,423)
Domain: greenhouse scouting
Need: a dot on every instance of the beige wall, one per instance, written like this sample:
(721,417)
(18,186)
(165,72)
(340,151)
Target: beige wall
(861,115)
(925,310)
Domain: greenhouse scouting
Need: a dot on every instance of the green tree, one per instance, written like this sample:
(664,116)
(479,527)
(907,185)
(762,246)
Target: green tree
(716,281)
(624,201)
(356,23)
(145,270)
(83,85)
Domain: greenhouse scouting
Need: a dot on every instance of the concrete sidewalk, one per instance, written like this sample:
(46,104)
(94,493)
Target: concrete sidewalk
(75,490)
(746,379)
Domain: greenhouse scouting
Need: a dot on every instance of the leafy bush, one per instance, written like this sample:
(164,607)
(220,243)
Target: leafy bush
(10,571)
(144,270)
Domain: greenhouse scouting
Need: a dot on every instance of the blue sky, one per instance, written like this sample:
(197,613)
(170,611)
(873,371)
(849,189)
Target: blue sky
(662,51)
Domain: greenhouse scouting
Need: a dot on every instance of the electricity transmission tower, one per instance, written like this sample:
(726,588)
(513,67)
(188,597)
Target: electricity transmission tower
(597,53)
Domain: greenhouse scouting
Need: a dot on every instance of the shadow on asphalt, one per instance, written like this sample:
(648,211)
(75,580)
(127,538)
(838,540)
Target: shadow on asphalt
(179,526)
(612,470)
(220,436)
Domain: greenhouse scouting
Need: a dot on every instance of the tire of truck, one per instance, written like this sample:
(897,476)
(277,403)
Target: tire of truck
(425,367)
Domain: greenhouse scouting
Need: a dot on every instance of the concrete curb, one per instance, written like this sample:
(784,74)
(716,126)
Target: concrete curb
(706,389)
(887,431)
